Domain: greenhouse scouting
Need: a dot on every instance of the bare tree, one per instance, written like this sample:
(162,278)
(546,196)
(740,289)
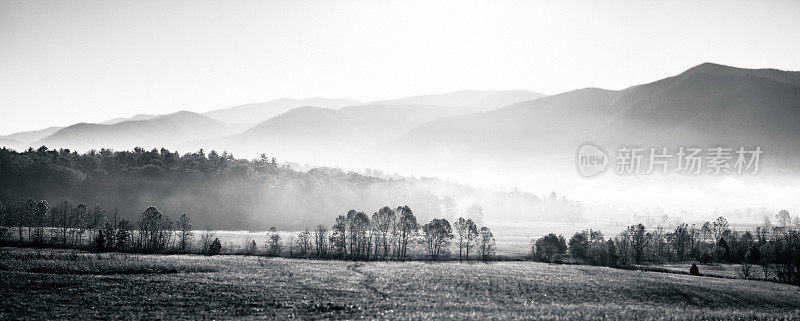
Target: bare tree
(623,246)
(64,220)
(681,240)
(124,235)
(472,236)
(358,229)
(320,238)
(40,220)
(184,232)
(382,221)
(80,220)
(29,217)
(486,243)
(155,230)
(304,242)
(111,231)
(467,234)
(460,226)
(408,227)
(206,238)
(719,227)
(783,218)
(251,247)
(705,230)
(639,240)
(437,237)
(339,237)
(274,244)
(96,220)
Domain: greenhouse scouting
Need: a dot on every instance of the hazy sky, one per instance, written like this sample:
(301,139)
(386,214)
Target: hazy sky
(63,62)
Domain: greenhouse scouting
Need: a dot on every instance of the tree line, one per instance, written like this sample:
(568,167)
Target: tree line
(388,234)
(250,192)
(774,249)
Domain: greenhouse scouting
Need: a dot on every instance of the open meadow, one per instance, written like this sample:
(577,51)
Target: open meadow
(60,284)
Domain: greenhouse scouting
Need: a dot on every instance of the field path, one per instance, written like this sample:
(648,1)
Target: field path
(369,280)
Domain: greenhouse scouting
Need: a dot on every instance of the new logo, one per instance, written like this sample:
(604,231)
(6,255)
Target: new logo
(591,160)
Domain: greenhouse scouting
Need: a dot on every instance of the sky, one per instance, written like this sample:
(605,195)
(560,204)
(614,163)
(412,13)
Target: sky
(63,62)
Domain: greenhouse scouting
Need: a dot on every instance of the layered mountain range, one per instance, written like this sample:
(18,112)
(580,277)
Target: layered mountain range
(706,105)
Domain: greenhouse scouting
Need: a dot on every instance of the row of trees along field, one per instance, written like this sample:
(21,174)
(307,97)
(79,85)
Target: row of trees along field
(773,249)
(386,235)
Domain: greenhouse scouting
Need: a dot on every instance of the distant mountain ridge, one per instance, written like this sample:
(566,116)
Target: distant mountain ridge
(135,117)
(34,135)
(304,132)
(484,99)
(370,118)
(162,131)
(258,112)
(709,104)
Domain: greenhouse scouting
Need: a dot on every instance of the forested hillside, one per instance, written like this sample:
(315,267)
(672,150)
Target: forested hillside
(229,193)
(216,189)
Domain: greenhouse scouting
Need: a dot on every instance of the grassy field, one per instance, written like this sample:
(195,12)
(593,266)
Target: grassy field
(731,271)
(228,287)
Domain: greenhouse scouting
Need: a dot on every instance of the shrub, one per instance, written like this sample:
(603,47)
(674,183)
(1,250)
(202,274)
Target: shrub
(215,247)
(694,270)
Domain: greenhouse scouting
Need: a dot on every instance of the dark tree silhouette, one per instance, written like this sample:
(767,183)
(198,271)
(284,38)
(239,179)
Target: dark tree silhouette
(639,240)
(408,228)
(437,237)
(383,222)
(155,230)
(100,241)
(579,245)
(549,248)
(274,246)
(215,247)
(184,232)
(694,270)
(486,243)
(124,236)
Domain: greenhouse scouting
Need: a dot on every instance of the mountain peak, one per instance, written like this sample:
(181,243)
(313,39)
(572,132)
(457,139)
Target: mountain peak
(719,69)
(788,77)
(181,113)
